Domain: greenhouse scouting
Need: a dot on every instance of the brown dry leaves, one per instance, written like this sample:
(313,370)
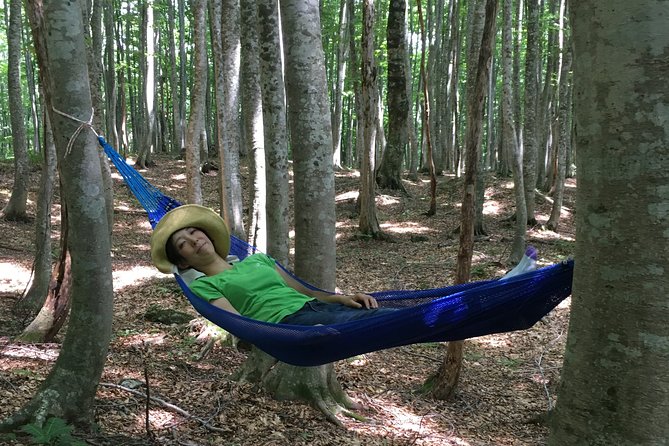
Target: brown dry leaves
(507,379)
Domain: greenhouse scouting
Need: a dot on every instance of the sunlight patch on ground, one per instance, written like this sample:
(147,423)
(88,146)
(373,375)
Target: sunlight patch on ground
(43,352)
(134,276)
(13,277)
(405,227)
(351,195)
(158,418)
(141,339)
(546,234)
(492,207)
(392,420)
(493,341)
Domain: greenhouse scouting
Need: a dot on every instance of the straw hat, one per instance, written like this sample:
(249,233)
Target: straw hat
(188,215)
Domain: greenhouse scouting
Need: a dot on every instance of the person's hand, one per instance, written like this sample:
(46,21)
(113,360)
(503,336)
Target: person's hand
(359,300)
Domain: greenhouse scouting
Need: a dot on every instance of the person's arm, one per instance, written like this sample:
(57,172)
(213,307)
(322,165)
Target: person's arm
(357,300)
(224,304)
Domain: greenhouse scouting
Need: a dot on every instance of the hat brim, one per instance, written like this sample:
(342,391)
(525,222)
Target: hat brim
(188,216)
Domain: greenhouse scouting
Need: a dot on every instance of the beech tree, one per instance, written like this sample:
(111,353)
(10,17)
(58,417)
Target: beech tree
(275,131)
(16,207)
(615,384)
(69,390)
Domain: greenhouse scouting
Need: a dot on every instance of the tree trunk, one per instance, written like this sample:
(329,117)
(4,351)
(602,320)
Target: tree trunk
(179,131)
(147,146)
(253,123)
(530,130)
(198,92)
(389,174)
(16,206)
(563,134)
(338,99)
(274,122)
(311,138)
(426,115)
(232,204)
(69,390)
(614,383)
(510,136)
(368,221)
(314,385)
(443,385)
(53,313)
(110,76)
(36,295)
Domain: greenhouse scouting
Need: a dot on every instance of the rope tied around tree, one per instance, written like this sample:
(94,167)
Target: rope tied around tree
(82,124)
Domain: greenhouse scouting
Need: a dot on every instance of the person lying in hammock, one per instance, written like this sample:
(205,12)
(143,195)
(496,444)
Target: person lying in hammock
(193,236)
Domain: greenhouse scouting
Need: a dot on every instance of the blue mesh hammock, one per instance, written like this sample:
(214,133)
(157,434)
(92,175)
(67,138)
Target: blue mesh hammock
(442,314)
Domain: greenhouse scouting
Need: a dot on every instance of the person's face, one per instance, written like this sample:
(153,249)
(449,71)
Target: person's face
(193,246)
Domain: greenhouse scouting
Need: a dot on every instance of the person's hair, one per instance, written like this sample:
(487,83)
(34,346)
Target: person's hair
(172,253)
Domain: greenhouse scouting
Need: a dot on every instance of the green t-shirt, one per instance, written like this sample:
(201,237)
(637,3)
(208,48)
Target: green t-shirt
(254,288)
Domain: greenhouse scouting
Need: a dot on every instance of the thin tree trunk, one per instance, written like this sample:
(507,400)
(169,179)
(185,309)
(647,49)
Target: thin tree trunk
(510,136)
(444,383)
(274,122)
(368,222)
(426,116)
(196,118)
(16,206)
(338,99)
(253,123)
(231,185)
(530,139)
(36,295)
(564,136)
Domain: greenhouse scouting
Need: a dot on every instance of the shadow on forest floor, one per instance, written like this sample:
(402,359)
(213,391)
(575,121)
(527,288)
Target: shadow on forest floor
(507,380)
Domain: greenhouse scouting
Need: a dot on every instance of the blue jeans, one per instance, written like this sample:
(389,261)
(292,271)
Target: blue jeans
(316,312)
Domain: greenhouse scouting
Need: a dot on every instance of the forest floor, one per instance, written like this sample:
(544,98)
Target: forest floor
(508,380)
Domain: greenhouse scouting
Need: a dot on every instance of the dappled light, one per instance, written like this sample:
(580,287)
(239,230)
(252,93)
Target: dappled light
(13,277)
(405,227)
(158,418)
(143,339)
(426,428)
(41,352)
(136,276)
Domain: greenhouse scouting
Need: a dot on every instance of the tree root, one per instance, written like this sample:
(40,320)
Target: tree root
(317,386)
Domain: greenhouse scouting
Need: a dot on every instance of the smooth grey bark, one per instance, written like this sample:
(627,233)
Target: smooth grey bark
(389,174)
(530,130)
(198,92)
(510,136)
(69,390)
(368,222)
(311,139)
(179,130)
(354,76)
(148,96)
(36,294)
(173,76)
(110,77)
(275,131)
(231,184)
(614,383)
(16,208)
(253,123)
(563,134)
(338,94)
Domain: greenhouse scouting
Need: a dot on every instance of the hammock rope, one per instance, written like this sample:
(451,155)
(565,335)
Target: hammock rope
(442,314)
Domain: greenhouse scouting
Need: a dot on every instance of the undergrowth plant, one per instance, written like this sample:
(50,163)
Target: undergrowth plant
(55,432)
